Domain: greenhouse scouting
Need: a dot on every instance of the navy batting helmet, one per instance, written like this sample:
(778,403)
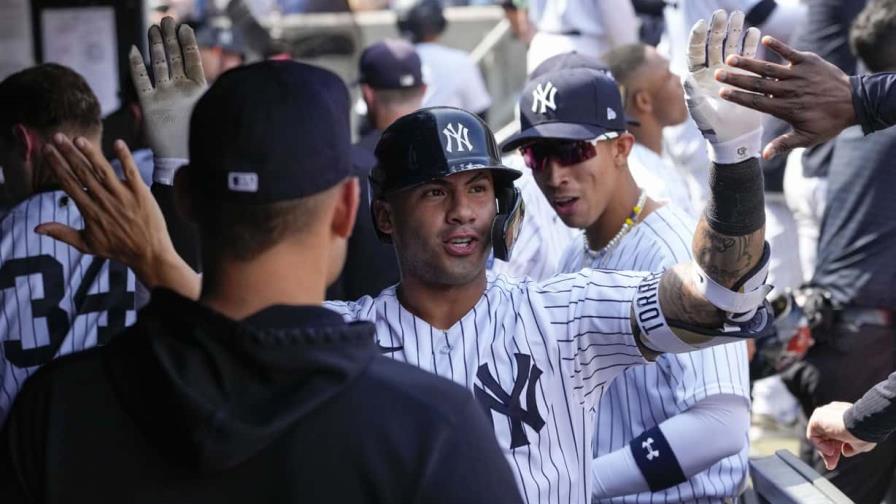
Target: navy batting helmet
(436,142)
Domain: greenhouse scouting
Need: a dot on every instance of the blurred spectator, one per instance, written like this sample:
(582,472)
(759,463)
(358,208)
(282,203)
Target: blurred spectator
(220,48)
(451,76)
(392,85)
(653,99)
(855,346)
(584,26)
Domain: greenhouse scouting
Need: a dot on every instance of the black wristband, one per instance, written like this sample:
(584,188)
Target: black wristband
(656,460)
(736,204)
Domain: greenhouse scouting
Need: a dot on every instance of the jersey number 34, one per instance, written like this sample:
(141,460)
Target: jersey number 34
(115,303)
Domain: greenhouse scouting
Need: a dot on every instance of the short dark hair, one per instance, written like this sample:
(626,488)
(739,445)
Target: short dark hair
(242,232)
(625,60)
(47,97)
(399,96)
(872,37)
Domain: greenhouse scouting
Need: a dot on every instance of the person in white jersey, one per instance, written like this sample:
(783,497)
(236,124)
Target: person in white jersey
(685,397)
(54,299)
(451,76)
(653,98)
(587,27)
(536,355)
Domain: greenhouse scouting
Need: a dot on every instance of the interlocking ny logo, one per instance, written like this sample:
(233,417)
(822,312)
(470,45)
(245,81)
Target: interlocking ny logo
(499,401)
(460,136)
(648,445)
(543,98)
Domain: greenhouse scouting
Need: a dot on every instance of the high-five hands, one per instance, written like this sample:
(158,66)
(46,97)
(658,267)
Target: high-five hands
(179,82)
(733,132)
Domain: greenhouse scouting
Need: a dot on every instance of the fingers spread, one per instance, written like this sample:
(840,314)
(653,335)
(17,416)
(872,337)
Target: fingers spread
(106,175)
(756,84)
(751,42)
(138,73)
(63,233)
(697,47)
(157,55)
(735,29)
(717,30)
(172,46)
(131,174)
(192,60)
(69,182)
(783,50)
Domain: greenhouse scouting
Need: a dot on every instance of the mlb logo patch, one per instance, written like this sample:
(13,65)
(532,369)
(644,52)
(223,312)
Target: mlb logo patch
(242,182)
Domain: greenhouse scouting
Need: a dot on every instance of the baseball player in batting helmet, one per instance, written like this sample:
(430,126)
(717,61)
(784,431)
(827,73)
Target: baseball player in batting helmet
(538,355)
(437,142)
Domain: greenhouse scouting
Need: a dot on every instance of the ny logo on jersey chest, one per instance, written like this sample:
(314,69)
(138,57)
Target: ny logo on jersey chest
(499,401)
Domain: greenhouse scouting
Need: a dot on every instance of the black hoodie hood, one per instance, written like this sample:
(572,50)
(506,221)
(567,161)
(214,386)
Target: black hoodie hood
(211,392)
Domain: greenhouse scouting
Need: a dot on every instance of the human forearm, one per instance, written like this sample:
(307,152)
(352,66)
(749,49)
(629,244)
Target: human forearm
(722,418)
(874,100)
(873,417)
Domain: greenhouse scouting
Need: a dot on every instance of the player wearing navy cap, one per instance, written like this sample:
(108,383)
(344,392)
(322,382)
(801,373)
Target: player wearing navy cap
(254,393)
(391,82)
(685,397)
(537,354)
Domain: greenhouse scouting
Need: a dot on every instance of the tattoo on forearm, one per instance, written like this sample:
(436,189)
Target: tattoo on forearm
(724,258)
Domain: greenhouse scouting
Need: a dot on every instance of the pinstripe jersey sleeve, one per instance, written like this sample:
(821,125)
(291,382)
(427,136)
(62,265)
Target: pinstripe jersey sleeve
(587,314)
(54,299)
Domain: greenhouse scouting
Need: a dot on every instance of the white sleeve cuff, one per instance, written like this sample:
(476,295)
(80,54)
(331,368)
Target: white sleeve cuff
(737,149)
(165,169)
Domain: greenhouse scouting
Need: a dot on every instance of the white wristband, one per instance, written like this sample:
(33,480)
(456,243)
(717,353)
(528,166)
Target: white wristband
(165,169)
(737,149)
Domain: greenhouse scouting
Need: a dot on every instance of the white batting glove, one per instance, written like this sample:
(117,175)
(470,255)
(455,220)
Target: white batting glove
(179,82)
(733,133)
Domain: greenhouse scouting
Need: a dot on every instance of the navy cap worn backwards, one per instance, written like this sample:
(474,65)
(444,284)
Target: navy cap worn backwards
(390,64)
(269,132)
(572,104)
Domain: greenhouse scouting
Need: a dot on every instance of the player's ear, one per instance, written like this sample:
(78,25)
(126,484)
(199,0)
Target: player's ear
(368,94)
(622,147)
(26,144)
(346,211)
(642,102)
(382,216)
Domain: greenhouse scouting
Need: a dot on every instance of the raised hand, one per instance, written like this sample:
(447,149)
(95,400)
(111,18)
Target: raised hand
(179,82)
(811,94)
(122,220)
(733,132)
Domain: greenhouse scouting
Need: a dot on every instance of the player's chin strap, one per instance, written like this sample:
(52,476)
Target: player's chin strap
(747,313)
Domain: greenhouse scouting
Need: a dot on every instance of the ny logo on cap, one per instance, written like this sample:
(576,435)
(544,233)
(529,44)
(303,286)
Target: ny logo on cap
(242,182)
(611,114)
(543,98)
(460,136)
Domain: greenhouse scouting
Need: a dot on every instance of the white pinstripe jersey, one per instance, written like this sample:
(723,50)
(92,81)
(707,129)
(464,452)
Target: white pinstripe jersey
(535,355)
(55,300)
(643,397)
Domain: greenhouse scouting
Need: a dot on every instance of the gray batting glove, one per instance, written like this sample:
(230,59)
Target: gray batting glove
(179,82)
(733,132)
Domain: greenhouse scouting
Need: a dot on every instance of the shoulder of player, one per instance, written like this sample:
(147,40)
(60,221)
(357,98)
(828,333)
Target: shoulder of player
(71,371)
(365,308)
(572,255)
(43,201)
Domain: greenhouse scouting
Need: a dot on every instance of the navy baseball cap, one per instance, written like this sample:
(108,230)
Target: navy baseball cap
(572,104)
(390,64)
(270,131)
(566,61)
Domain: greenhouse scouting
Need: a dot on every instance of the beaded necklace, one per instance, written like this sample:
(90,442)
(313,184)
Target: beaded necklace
(626,227)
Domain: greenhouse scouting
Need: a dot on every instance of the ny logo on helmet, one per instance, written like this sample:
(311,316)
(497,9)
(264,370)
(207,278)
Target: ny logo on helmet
(460,134)
(543,98)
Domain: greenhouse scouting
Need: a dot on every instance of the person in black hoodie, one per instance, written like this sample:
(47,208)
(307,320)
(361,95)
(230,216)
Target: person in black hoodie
(254,393)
